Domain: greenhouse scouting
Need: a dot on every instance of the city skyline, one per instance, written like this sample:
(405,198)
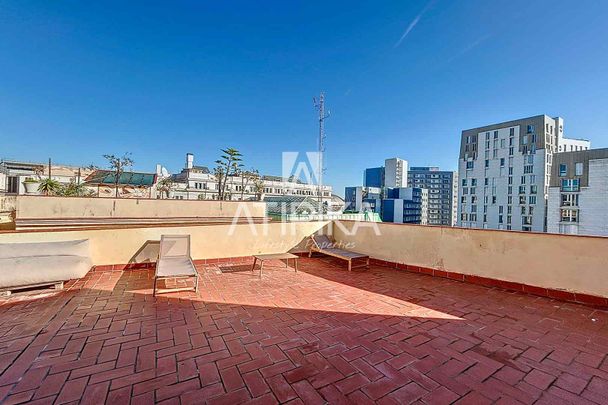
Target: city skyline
(85,80)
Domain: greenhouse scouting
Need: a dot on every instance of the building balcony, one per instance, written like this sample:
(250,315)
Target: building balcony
(442,315)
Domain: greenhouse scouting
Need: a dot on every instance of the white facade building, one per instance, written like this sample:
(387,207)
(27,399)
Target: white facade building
(13,175)
(504,172)
(578,193)
(198,183)
(395,173)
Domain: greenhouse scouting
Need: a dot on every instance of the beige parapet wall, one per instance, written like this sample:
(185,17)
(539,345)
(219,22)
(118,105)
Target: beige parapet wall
(36,207)
(561,262)
(140,245)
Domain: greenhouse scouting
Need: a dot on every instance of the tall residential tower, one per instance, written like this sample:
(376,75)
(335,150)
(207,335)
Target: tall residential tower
(504,172)
(442,193)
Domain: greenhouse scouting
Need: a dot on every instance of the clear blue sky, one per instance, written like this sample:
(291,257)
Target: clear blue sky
(79,79)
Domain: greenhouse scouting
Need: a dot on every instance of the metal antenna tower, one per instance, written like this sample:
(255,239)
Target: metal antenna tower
(320,105)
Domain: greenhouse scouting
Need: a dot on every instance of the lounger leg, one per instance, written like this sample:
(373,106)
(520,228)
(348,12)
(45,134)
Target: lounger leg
(296,267)
(196,284)
(367,265)
(310,253)
(154,291)
(253,267)
(350,265)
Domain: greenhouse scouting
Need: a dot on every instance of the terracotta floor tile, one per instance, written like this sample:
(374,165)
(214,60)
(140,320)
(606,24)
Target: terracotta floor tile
(320,335)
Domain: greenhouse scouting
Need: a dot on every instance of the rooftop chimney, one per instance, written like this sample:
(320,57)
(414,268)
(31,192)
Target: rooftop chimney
(189,160)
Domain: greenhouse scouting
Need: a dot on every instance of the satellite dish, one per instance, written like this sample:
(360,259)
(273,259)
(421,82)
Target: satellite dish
(164,172)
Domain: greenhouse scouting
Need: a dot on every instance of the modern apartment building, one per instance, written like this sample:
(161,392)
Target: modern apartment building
(395,173)
(504,172)
(363,199)
(406,205)
(578,193)
(198,183)
(442,189)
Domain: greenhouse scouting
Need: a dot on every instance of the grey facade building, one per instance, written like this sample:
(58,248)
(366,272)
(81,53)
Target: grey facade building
(442,189)
(504,171)
(578,193)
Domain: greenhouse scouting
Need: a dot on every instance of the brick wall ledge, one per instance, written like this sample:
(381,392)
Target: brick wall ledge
(561,295)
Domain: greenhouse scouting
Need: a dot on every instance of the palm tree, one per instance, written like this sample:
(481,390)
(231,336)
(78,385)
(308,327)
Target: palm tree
(49,186)
(75,190)
(165,186)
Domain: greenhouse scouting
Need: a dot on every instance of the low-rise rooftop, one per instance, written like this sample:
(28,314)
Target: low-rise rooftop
(320,335)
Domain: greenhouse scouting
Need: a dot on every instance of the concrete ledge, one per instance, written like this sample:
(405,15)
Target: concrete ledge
(560,295)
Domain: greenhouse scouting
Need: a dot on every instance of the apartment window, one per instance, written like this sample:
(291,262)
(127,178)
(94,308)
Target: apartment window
(486,181)
(563,169)
(569,200)
(464,182)
(522,199)
(509,201)
(524,139)
(511,131)
(523,180)
(470,165)
(511,151)
(578,169)
(510,171)
(487,163)
(487,136)
(570,184)
(502,162)
(569,215)
(495,134)
(528,169)
(532,200)
(503,143)
(493,199)
(533,189)
(463,199)
(531,128)
(465,190)
(473,182)
(510,190)
(510,180)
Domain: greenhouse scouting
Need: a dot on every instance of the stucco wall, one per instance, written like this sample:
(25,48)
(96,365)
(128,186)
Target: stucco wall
(30,207)
(572,263)
(121,246)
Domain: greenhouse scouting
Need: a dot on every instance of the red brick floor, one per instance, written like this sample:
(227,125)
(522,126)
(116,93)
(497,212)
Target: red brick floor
(322,335)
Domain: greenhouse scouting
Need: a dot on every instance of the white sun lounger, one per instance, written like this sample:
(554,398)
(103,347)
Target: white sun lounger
(322,244)
(174,259)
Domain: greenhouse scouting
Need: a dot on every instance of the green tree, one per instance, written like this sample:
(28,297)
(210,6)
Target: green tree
(228,166)
(74,189)
(165,186)
(117,165)
(49,186)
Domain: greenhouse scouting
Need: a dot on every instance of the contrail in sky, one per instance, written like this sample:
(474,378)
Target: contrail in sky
(412,24)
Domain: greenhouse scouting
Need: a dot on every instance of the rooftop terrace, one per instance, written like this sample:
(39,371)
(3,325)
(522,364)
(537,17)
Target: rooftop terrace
(320,335)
